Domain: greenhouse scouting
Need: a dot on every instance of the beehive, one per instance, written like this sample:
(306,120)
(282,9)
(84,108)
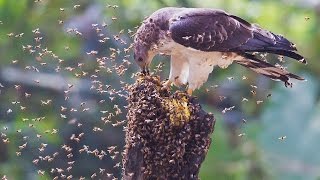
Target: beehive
(167,135)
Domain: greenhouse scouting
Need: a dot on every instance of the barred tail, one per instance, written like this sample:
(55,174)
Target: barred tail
(267,69)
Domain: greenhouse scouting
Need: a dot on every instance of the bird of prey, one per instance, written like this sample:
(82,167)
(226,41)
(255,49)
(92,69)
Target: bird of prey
(197,39)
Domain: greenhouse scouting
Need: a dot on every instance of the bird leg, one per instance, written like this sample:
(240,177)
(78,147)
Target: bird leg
(189,91)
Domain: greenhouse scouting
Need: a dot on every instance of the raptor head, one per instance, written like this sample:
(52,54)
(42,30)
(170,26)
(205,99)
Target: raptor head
(148,34)
(146,39)
(142,56)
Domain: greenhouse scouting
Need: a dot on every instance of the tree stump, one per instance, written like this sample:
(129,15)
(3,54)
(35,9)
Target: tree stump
(167,136)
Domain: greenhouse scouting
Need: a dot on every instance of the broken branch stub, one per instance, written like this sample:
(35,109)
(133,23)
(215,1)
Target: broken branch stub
(167,136)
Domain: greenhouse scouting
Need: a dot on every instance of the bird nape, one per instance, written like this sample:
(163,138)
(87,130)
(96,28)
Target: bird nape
(197,39)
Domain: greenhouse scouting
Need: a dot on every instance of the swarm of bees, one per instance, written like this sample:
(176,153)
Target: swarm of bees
(65,100)
(168,146)
(167,128)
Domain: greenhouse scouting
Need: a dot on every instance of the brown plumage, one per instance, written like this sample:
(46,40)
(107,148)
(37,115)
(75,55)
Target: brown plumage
(199,37)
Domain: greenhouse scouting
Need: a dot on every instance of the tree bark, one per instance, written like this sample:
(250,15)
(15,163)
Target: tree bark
(167,136)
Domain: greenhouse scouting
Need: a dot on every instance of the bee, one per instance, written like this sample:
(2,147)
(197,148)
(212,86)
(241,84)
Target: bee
(35,161)
(259,102)
(10,34)
(282,137)
(93,175)
(9,111)
(41,172)
(76,6)
(15,61)
(101,171)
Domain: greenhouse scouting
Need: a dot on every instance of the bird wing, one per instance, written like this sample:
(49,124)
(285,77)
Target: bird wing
(209,30)
(215,30)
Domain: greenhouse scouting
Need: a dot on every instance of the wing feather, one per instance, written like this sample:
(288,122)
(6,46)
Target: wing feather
(215,30)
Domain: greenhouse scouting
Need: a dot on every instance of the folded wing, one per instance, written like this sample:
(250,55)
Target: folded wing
(215,30)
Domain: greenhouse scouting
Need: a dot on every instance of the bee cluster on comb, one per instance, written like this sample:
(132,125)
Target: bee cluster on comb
(167,136)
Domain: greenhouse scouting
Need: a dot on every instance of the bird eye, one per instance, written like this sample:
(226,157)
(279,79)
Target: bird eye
(140,59)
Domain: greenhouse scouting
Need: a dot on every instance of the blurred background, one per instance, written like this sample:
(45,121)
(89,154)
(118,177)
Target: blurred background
(65,66)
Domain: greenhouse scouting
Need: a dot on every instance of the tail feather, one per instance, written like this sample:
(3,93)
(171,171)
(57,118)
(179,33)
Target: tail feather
(267,69)
(266,41)
(285,53)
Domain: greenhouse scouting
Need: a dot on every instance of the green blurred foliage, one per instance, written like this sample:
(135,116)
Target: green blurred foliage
(300,129)
(256,154)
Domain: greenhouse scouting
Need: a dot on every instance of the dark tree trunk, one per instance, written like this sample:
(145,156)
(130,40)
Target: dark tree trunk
(167,136)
